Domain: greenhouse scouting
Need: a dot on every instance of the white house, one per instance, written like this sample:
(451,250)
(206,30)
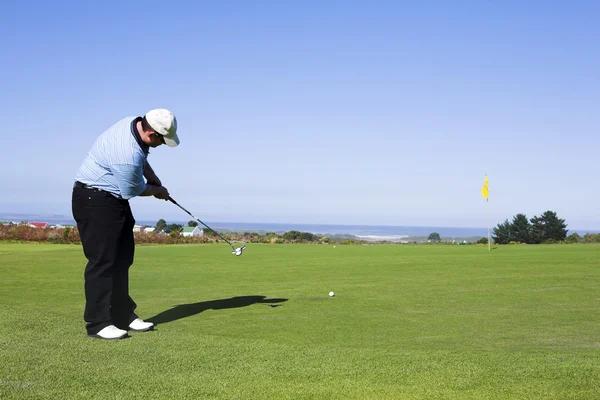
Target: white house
(138,228)
(149,229)
(192,231)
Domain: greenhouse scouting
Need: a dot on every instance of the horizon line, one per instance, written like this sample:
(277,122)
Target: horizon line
(63,217)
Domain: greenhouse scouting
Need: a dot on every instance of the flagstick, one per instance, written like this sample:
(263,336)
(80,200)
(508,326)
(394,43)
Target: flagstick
(487,202)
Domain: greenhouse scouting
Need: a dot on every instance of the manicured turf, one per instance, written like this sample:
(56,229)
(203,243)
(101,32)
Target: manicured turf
(407,322)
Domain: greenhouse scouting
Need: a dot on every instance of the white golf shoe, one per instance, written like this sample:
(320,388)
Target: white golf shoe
(110,332)
(140,325)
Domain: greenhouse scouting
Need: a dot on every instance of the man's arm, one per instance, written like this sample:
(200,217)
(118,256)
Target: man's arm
(154,186)
(130,180)
(159,192)
(150,176)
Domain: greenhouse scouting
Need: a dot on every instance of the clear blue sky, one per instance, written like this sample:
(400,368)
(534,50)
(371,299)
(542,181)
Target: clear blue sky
(354,112)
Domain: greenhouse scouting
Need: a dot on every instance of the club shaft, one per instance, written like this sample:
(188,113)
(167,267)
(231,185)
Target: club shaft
(192,215)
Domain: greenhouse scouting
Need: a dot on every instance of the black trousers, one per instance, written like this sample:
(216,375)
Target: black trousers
(105,225)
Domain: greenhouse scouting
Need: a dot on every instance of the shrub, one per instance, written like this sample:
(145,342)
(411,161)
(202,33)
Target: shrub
(591,238)
(54,237)
(65,234)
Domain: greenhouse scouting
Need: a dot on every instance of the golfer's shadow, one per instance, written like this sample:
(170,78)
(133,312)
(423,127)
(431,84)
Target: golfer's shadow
(187,310)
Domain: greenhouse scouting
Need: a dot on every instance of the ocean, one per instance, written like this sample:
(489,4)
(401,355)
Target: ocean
(364,232)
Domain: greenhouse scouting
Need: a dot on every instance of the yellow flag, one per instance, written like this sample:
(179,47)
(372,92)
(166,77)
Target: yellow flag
(484,190)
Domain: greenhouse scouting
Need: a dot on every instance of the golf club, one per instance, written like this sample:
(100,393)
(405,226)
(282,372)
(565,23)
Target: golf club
(237,252)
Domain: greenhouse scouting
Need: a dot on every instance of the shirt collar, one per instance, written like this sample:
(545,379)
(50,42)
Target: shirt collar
(138,138)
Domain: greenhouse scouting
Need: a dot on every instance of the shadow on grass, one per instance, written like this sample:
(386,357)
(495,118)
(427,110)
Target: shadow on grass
(187,310)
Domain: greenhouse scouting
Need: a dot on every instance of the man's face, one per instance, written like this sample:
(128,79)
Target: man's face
(156,139)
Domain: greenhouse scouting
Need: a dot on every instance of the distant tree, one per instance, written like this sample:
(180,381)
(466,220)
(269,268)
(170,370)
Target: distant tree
(548,227)
(501,233)
(174,228)
(292,235)
(297,236)
(483,240)
(308,237)
(520,229)
(591,238)
(574,238)
(161,225)
(192,223)
(434,237)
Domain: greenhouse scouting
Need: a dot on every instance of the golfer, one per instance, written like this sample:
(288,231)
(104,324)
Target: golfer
(112,173)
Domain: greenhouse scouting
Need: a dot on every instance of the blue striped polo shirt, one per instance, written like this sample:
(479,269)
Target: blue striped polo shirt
(116,161)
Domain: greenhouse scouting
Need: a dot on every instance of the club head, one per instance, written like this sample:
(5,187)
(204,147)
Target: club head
(238,251)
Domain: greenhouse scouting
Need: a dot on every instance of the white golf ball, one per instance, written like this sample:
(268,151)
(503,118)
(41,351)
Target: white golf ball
(331,294)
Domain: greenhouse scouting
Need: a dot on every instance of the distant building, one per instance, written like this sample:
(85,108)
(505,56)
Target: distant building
(138,228)
(42,225)
(192,231)
(5,223)
(149,229)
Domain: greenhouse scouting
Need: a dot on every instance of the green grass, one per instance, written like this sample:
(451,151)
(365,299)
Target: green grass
(407,322)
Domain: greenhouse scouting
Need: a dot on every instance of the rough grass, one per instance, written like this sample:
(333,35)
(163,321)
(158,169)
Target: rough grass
(407,322)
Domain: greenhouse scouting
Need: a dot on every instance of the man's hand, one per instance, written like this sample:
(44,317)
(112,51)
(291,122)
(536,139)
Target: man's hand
(161,192)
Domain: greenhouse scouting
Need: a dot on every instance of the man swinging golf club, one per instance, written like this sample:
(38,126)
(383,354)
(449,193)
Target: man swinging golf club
(112,173)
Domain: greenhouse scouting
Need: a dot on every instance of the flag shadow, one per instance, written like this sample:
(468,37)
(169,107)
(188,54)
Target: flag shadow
(187,310)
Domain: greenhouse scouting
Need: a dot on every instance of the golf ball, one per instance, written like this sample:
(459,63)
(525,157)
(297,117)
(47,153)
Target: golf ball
(331,294)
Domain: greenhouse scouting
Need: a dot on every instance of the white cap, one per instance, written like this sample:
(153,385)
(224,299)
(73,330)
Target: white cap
(164,122)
